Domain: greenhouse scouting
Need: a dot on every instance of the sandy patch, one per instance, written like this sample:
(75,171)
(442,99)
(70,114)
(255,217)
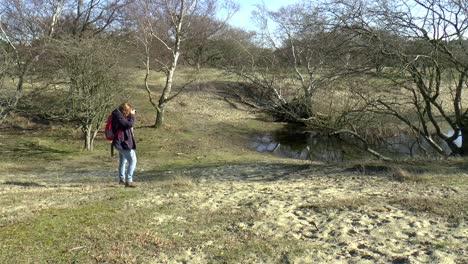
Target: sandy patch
(339,217)
(349,217)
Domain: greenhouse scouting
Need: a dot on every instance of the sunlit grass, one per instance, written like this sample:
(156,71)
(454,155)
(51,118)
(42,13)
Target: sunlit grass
(61,204)
(71,234)
(454,209)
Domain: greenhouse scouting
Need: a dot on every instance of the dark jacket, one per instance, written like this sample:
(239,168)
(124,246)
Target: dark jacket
(124,138)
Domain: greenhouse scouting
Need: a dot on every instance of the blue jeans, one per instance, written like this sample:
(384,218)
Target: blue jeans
(124,156)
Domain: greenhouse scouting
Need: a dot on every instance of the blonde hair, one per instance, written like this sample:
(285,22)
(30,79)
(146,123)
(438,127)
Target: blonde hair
(125,109)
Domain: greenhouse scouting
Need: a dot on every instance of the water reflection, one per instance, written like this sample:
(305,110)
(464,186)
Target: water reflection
(300,144)
(297,143)
(458,141)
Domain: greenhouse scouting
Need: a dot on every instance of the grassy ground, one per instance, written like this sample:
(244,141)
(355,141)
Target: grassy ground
(204,197)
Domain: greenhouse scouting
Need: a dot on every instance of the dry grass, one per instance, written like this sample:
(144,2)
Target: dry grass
(454,209)
(337,205)
(402,175)
(61,205)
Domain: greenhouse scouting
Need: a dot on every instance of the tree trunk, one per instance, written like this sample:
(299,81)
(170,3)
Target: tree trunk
(166,92)
(308,101)
(57,11)
(163,100)
(14,102)
(88,139)
(160,116)
(379,69)
(93,138)
(165,96)
(198,75)
(455,150)
(464,147)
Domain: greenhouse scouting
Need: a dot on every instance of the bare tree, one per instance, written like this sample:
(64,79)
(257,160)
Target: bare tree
(431,54)
(90,83)
(304,53)
(96,84)
(200,49)
(25,26)
(88,18)
(88,60)
(307,72)
(59,43)
(168,24)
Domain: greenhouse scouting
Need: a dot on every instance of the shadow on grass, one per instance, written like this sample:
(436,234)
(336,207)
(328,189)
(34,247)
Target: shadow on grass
(255,172)
(24,184)
(145,126)
(449,166)
(29,150)
(270,172)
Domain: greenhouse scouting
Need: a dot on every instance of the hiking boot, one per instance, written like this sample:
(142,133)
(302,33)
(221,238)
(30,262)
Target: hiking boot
(130,185)
(121,182)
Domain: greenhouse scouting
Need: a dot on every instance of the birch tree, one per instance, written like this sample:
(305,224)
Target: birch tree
(168,25)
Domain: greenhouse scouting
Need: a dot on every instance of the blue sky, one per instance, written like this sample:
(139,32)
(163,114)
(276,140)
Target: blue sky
(242,18)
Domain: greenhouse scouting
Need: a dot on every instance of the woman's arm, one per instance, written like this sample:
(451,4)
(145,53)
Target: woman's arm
(124,122)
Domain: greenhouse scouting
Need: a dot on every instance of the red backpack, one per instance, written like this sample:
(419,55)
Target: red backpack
(109,134)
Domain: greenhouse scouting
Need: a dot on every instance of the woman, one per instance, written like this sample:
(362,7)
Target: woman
(123,120)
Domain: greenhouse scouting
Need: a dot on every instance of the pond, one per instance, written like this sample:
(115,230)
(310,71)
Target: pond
(299,143)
